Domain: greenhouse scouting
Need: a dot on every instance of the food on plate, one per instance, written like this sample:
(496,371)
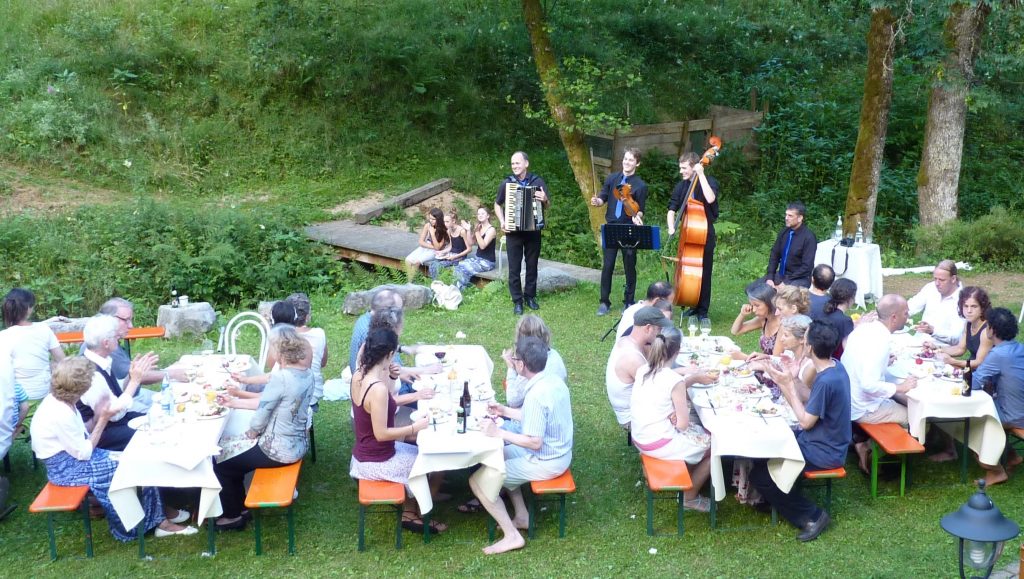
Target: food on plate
(742,372)
(925,353)
(950,373)
(765,407)
(714,374)
(725,361)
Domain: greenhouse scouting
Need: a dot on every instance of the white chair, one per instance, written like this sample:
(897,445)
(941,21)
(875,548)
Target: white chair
(235,326)
(501,254)
(1020,318)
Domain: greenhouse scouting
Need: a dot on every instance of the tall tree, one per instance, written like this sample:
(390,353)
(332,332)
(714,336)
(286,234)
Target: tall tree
(939,176)
(874,122)
(565,119)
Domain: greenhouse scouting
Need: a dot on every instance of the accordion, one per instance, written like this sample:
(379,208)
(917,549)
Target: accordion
(522,211)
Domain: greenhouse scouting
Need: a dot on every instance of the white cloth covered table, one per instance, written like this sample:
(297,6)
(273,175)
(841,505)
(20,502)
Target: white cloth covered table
(934,398)
(443,450)
(864,266)
(469,360)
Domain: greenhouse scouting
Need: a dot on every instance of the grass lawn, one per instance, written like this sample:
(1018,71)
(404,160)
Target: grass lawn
(887,537)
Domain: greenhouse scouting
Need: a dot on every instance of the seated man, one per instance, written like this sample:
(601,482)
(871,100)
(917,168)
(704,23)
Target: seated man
(100,335)
(866,357)
(627,355)
(939,299)
(1003,370)
(821,280)
(792,256)
(538,444)
(823,411)
(658,290)
(386,298)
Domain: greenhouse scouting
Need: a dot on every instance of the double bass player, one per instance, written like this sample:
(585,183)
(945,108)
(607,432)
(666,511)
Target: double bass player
(706,193)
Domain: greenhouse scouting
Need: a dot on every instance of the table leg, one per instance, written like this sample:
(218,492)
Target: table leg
(965,450)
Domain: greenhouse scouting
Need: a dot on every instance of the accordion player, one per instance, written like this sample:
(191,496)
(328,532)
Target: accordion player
(522,211)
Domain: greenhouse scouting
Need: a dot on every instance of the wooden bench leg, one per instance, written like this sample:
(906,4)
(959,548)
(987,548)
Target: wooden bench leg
(211,536)
(87,524)
(561,516)
(875,449)
(531,510)
(362,528)
(398,525)
(650,512)
(257,528)
(679,513)
(53,540)
(291,531)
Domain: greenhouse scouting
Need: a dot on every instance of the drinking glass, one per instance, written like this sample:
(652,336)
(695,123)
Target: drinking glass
(691,325)
(705,327)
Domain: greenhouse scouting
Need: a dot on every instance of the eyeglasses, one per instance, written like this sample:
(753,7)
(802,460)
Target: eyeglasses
(516,359)
(127,320)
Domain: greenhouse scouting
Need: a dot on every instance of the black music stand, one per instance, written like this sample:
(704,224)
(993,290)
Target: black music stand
(628,236)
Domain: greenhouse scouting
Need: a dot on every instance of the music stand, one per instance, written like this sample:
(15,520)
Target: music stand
(628,236)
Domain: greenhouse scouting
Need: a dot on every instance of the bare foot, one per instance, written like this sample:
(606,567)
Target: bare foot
(944,456)
(506,544)
(1014,461)
(995,476)
(523,523)
(863,452)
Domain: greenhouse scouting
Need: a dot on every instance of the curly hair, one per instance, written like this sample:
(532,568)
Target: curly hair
(843,291)
(289,345)
(380,344)
(979,295)
(71,378)
(795,296)
(300,302)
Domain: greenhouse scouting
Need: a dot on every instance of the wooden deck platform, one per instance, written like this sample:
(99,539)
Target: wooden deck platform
(388,247)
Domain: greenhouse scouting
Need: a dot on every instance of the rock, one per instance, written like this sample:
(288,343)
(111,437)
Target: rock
(264,309)
(71,325)
(552,279)
(195,318)
(414,297)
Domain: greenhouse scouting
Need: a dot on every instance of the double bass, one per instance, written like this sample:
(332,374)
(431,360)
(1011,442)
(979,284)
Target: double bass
(693,236)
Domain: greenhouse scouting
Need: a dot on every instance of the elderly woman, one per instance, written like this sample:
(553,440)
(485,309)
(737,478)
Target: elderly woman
(71,456)
(33,346)
(278,428)
(530,325)
(794,358)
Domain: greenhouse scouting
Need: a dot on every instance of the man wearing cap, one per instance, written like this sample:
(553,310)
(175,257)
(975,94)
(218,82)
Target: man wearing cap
(628,354)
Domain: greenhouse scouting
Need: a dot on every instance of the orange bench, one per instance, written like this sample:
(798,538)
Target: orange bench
(57,499)
(665,476)
(894,440)
(827,475)
(270,488)
(561,485)
(78,337)
(378,492)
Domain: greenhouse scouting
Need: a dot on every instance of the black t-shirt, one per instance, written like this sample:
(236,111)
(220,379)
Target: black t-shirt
(607,194)
(683,187)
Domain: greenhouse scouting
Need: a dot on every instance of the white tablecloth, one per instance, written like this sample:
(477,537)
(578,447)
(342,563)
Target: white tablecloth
(443,450)
(470,361)
(864,267)
(934,398)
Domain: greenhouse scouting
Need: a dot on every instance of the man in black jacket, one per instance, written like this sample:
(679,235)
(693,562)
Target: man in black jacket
(792,258)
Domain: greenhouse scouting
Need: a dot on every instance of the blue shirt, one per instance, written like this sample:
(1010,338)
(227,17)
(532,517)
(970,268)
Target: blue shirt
(1004,366)
(817,306)
(547,414)
(825,444)
(359,332)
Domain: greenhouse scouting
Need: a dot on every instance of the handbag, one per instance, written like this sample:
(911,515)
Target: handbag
(446,296)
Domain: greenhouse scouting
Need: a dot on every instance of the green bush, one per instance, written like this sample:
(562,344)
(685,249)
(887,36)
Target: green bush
(995,240)
(143,250)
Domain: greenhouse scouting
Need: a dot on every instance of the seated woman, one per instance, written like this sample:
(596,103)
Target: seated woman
(661,425)
(459,249)
(382,451)
(317,339)
(34,347)
(433,238)
(794,357)
(278,428)
(760,304)
(72,458)
(281,313)
(484,236)
(841,296)
(530,325)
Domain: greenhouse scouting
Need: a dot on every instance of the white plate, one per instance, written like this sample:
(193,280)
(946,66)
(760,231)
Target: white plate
(212,416)
(418,415)
(140,423)
(474,422)
(950,379)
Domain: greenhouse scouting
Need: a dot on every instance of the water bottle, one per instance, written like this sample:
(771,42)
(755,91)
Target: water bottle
(860,234)
(838,233)
(165,395)
(156,414)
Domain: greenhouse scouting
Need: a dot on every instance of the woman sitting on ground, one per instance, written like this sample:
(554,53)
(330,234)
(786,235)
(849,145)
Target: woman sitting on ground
(841,296)
(277,432)
(34,347)
(71,457)
(661,426)
(382,451)
(433,238)
(485,237)
(530,325)
(461,244)
(761,305)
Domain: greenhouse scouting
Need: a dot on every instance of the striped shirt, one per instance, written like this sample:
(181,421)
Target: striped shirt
(547,414)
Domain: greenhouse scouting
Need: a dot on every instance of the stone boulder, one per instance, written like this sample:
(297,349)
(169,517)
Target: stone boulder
(552,279)
(68,325)
(195,318)
(414,297)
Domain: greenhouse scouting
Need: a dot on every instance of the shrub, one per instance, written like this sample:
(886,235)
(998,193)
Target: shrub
(995,239)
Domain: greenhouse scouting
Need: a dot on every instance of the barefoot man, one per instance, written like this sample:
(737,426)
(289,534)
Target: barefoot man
(538,446)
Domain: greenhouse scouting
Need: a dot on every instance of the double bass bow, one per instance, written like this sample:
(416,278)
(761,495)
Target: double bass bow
(692,225)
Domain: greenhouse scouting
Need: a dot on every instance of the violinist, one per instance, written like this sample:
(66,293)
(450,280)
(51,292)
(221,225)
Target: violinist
(625,194)
(706,192)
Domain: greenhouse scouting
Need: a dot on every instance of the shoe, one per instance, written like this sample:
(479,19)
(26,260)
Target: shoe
(699,504)
(189,530)
(532,303)
(183,516)
(517,309)
(603,309)
(233,526)
(815,528)
(688,312)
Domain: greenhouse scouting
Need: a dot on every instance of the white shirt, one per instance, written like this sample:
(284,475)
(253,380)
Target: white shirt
(318,340)
(627,318)
(57,427)
(7,402)
(940,312)
(651,404)
(30,351)
(865,358)
(516,385)
(100,390)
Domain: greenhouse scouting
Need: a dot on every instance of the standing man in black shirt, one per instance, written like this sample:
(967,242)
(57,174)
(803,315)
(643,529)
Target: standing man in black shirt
(521,244)
(617,213)
(792,258)
(706,193)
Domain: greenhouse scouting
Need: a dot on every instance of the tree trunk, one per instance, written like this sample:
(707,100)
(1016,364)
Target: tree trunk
(565,120)
(939,176)
(874,122)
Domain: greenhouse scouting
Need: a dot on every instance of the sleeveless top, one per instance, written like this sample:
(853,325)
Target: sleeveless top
(766,342)
(619,392)
(487,252)
(367,448)
(458,244)
(974,340)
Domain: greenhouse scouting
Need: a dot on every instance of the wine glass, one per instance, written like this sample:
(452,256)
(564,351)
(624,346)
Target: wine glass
(691,326)
(705,327)
(439,355)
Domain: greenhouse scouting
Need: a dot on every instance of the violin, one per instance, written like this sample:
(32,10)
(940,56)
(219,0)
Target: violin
(624,193)
(693,236)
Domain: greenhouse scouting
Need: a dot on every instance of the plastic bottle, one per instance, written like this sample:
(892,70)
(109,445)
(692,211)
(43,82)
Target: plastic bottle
(860,234)
(838,233)
(166,398)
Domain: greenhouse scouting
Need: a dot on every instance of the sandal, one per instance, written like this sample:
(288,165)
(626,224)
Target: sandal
(411,522)
(699,504)
(470,506)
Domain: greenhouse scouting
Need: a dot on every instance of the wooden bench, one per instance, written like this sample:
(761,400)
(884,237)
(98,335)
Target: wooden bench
(375,492)
(665,476)
(273,488)
(828,476)
(78,337)
(57,499)
(561,485)
(894,440)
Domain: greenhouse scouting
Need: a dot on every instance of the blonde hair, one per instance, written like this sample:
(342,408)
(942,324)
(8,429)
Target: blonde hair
(664,349)
(71,378)
(289,345)
(532,325)
(798,297)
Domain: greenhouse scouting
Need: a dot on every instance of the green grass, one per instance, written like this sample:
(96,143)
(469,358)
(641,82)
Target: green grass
(887,537)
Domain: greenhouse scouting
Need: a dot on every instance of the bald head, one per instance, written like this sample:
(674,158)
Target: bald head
(893,311)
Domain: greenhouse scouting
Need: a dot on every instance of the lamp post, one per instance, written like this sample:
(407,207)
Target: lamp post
(982,531)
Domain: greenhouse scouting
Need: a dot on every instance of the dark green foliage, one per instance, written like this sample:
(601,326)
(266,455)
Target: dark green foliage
(995,239)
